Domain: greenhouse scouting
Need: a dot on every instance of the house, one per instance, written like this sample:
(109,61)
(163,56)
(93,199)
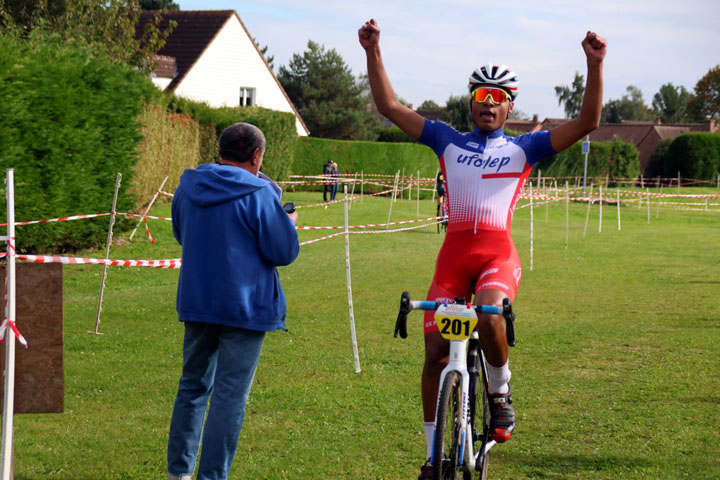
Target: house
(211,57)
(646,136)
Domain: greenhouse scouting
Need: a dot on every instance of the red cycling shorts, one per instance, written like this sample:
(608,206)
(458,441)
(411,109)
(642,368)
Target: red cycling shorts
(470,262)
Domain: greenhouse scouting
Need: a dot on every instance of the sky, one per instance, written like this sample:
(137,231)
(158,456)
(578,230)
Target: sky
(430,48)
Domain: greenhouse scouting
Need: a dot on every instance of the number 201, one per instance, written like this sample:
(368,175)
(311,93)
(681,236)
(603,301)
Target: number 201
(455,326)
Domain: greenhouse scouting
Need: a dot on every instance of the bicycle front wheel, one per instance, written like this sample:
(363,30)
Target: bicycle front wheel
(448,421)
(440,224)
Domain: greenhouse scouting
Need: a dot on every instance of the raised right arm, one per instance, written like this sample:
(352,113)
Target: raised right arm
(387,102)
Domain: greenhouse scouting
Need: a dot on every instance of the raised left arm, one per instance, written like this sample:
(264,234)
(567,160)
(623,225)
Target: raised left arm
(563,136)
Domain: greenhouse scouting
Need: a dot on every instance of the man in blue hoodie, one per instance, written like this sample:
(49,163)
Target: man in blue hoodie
(234,232)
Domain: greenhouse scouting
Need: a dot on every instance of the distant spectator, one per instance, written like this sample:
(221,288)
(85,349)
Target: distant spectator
(327,187)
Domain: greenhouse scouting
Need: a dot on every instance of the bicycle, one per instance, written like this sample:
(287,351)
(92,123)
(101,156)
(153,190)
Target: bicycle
(442,212)
(457,423)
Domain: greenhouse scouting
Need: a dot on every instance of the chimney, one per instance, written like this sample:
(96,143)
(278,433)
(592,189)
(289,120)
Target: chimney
(658,121)
(535,118)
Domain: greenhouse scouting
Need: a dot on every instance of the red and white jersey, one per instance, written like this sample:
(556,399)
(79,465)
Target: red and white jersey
(484,173)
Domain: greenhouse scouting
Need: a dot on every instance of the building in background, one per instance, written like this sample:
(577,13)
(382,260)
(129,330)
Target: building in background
(211,57)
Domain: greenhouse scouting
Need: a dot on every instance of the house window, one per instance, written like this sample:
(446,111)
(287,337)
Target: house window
(247,97)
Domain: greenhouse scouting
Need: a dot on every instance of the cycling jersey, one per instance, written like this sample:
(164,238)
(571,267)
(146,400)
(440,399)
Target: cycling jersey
(484,175)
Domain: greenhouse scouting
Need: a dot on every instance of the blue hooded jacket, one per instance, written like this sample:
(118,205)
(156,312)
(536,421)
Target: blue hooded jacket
(234,233)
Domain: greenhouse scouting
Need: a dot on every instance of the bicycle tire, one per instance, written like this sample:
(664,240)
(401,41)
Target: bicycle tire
(440,224)
(446,446)
(479,411)
(479,419)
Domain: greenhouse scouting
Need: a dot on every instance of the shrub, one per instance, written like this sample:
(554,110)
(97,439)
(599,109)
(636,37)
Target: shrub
(68,126)
(694,155)
(359,156)
(279,129)
(171,144)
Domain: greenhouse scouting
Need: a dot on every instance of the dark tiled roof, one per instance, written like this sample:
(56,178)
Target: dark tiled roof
(194,32)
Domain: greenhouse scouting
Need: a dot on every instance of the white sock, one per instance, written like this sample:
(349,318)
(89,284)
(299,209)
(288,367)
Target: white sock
(429,432)
(498,378)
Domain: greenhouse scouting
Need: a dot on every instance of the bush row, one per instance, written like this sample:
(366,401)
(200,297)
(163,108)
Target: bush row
(616,159)
(695,155)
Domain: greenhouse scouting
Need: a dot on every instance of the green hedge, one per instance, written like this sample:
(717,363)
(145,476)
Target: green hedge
(67,127)
(616,159)
(279,128)
(369,157)
(695,155)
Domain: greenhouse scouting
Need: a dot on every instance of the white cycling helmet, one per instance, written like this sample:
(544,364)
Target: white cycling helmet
(500,76)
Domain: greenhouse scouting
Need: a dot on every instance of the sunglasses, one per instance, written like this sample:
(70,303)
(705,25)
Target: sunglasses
(497,95)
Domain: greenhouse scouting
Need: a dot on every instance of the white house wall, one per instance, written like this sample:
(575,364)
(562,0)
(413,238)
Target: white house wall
(229,63)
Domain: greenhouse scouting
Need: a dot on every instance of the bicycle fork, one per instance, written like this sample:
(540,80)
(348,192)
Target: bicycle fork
(458,363)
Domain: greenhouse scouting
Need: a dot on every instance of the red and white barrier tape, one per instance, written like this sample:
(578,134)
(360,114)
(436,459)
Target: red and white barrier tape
(369,225)
(171,263)
(7,323)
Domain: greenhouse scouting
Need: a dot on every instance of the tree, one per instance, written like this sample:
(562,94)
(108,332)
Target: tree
(109,24)
(269,59)
(705,101)
(326,93)
(429,105)
(518,114)
(669,103)
(457,113)
(630,107)
(159,5)
(571,97)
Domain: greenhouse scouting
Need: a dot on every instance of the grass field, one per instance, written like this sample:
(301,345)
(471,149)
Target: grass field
(616,374)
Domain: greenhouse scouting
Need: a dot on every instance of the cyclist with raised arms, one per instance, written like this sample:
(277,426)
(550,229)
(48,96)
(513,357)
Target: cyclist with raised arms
(484,172)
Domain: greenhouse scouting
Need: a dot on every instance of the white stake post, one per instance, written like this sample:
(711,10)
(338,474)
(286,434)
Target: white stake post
(648,203)
(437,170)
(618,207)
(392,198)
(401,180)
(418,193)
(678,182)
(410,184)
(587,217)
(567,212)
(600,200)
(107,253)
(352,192)
(362,184)
(148,207)
(531,228)
(349,285)
(586,151)
(657,212)
(9,402)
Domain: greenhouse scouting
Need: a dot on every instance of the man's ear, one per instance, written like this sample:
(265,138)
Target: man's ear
(510,109)
(256,155)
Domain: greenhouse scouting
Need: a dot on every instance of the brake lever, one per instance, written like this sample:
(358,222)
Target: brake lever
(401,322)
(509,316)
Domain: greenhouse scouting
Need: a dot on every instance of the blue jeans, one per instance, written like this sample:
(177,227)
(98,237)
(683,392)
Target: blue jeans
(221,361)
(334,191)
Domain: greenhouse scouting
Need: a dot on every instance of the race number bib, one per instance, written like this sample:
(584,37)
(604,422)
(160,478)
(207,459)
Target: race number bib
(455,322)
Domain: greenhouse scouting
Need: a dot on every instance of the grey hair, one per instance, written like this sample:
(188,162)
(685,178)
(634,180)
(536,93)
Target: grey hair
(238,142)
